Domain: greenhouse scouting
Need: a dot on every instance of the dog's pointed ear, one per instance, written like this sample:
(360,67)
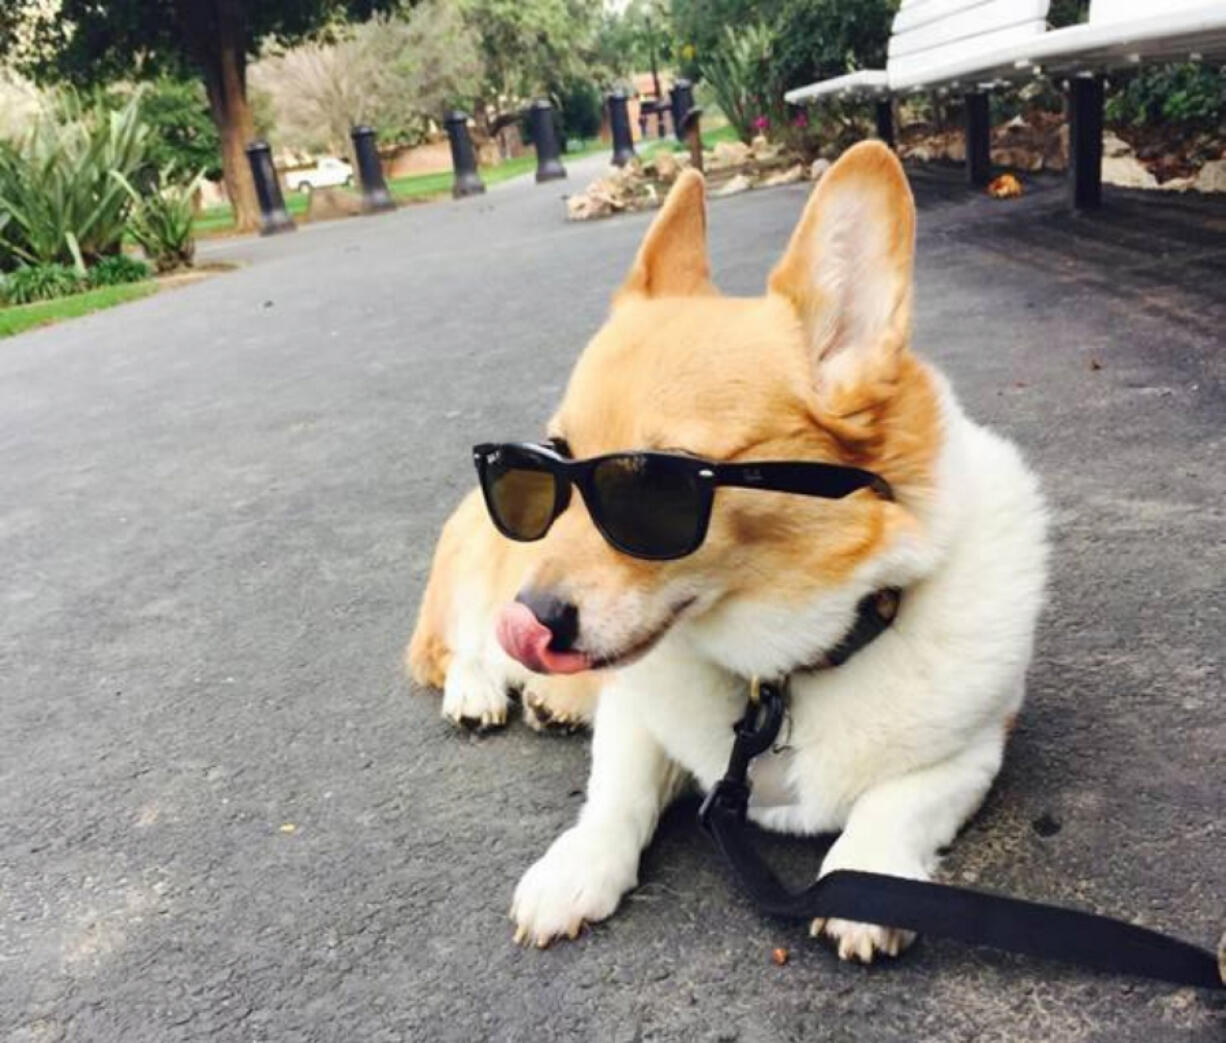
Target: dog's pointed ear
(848,268)
(672,260)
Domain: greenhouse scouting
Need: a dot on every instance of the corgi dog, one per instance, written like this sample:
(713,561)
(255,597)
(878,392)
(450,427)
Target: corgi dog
(454,648)
(895,748)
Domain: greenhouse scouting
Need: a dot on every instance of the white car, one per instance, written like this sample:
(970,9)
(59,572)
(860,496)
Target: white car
(327,172)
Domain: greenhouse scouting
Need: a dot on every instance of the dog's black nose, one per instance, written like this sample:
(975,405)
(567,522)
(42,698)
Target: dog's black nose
(561,617)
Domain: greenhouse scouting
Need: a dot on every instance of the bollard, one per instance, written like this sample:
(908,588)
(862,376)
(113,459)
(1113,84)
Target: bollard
(545,138)
(643,121)
(619,124)
(691,132)
(463,159)
(273,216)
(375,196)
(682,96)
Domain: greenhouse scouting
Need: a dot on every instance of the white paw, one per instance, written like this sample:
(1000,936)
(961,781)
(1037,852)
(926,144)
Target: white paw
(860,942)
(552,708)
(472,698)
(580,880)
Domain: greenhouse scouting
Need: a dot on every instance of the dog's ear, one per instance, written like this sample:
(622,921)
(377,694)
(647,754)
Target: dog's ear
(847,269)
(672,260)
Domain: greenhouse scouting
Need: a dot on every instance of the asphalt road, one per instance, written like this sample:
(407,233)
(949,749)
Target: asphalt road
(224,816)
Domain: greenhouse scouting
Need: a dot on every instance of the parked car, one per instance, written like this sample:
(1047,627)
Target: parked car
(326,173)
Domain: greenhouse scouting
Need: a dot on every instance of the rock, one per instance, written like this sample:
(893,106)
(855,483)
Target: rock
(740,183)
(1212,177)
(667,167)
(328,203)
(784,177)
(1114,146)
(762,150)
(729,154)
(817,168)
(1127,172)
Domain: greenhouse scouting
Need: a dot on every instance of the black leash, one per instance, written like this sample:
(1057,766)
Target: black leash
(937,909)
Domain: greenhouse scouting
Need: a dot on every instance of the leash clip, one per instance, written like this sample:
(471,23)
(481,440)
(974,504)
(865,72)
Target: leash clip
(754,734)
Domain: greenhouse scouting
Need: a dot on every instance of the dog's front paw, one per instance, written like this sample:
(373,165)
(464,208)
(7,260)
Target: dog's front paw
(562,703)
(860,942)
(580,880)
(472,698)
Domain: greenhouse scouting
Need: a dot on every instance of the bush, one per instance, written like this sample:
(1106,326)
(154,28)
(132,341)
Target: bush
(582,110)
(58,200)
(39,282)
(111,271)
(1190,97)
(161,220)
(740,74)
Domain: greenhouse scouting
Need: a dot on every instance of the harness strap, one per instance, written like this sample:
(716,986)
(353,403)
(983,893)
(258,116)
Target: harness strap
(974,917)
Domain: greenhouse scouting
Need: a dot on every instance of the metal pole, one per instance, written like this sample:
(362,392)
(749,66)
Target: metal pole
(375,196)
(544,137)
(978,139)
(463,159)
(274,217)
(1085,169)
(619,124)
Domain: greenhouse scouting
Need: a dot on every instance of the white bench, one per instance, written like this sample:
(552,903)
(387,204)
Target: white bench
(973,45)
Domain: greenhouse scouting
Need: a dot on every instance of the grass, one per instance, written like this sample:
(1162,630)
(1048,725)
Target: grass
(217,220)
(42,313)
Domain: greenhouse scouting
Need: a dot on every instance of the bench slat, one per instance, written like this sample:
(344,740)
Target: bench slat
(982,17)
(914,67)
(910,18)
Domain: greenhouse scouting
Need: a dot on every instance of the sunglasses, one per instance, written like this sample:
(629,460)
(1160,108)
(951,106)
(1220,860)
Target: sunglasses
(655,506)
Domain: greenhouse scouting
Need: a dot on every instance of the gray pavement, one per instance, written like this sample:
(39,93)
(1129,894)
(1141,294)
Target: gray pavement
(217,508)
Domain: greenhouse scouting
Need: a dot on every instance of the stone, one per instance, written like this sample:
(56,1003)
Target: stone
(784,177)
(328,203)
(729,154)
(762,150)
(1114,146)
(738,184)
(1127,172)
(667,167)
(817,168)
(1212,177)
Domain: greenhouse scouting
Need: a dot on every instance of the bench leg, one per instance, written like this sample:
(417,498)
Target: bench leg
(978,139)
(1085,113)
(885,121)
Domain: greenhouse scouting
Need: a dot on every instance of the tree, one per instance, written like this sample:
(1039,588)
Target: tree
(397,73)
(85,42)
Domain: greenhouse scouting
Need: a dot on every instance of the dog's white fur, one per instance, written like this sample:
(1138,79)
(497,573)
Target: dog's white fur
(895,749)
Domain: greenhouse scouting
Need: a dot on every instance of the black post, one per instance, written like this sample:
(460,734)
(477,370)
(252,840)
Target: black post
(274,217)
(683,100)
(375,196)
(978,139)
(642,120)
(1085,105)
(544,137)
(619,124)
(463,159)
(885,120)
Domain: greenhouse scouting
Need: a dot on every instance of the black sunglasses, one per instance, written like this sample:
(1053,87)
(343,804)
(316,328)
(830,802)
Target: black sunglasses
(648,505)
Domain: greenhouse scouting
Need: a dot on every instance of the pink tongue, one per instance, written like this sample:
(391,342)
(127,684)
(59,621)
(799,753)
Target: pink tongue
(525,638)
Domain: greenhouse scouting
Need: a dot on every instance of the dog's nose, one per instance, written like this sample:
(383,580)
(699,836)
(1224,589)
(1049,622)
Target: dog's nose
(561,617)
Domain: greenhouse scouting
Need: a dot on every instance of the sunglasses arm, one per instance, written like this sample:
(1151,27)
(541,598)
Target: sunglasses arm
(805,478)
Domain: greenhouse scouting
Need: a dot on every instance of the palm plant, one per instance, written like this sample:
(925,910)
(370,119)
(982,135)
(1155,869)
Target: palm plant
(58,199)
(161,219)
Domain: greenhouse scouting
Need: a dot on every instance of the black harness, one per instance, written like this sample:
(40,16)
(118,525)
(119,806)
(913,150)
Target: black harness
(969,916)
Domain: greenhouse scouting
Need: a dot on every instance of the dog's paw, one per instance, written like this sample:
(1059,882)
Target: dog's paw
(560,703)
(861,942)
(579,880)
(472,698)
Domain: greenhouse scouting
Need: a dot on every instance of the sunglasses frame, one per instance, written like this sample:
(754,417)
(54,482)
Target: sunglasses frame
(801,477)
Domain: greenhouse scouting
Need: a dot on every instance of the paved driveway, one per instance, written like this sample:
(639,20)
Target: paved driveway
(223,815)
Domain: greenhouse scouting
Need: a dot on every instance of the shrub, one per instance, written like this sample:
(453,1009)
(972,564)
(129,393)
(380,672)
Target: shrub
(119,268)
(161,220)
(582,110)
(1188,96)
(39,282)
(58,200)
(740,74)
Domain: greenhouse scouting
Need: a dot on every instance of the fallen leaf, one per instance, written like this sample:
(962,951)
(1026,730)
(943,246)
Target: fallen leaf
(1005,187)
(288,827)
(779,956)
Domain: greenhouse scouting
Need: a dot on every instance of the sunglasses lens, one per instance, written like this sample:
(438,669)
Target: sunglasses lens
(520,497)
(649,506)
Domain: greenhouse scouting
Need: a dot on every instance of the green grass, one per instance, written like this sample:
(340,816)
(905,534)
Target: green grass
(220,219)
(42,313)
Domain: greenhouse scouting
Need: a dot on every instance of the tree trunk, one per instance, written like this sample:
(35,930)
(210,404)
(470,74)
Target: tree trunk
(216,37)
